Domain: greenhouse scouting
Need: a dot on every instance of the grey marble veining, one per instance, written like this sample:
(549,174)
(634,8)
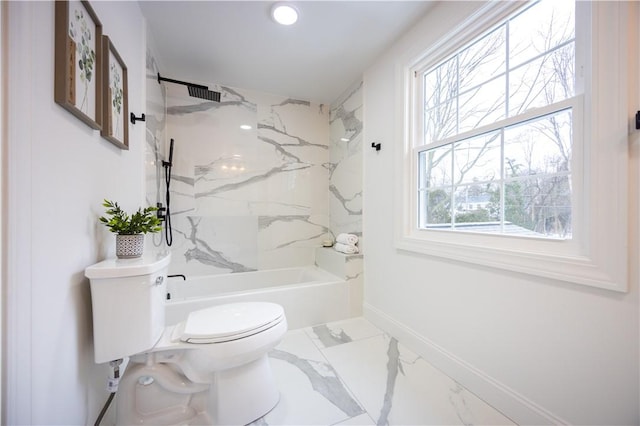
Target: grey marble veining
(329,337)
(457,400)
(324,381)
(188,180)
(190,109)
(344,201)
(393,368)
(288,167)
(298,141)
(266,221)
(203,253)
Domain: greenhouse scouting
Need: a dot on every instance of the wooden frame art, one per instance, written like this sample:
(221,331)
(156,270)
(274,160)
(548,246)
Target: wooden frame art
(115,96)
(78,56)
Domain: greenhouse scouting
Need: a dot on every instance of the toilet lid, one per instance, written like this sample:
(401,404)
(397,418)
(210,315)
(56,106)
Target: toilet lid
(233,321)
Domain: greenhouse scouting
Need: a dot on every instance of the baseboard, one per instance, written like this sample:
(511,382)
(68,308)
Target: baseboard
(513,405)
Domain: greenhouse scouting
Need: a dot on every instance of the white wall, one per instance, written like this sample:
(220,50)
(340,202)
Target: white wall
(3,179)
(59,171)
(540,350)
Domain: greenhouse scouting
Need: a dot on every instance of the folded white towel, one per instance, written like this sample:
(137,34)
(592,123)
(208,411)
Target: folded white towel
(349,239)
(345,248)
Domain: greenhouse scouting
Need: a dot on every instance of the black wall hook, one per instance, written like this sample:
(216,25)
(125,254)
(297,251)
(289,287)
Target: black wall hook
(134,118)
(377,146)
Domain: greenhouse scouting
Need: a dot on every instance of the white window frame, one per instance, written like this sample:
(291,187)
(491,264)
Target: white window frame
(597,255)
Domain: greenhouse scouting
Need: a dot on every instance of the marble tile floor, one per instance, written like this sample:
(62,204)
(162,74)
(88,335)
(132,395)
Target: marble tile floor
(351,373)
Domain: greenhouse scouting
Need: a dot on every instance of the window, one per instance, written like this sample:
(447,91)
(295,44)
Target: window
(516,140)
(497,128)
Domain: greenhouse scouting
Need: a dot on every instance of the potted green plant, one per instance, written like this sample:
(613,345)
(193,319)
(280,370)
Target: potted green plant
(130,229)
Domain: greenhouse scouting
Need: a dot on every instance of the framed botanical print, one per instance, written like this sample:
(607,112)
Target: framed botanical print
(78,44)
(115,109)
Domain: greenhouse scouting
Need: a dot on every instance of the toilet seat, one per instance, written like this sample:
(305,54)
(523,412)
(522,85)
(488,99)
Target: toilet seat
(224,323)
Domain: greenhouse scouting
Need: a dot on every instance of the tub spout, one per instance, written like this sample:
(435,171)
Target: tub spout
(177,275)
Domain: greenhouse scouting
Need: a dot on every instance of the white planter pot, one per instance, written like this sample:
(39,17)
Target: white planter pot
(129,246)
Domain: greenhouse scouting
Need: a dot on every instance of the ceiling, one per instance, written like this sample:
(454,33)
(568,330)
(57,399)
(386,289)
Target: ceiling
(235,43)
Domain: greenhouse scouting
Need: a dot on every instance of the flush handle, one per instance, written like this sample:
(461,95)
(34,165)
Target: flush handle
(159,280)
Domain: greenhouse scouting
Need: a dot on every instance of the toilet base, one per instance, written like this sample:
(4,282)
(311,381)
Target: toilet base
(158,394)
(244,394)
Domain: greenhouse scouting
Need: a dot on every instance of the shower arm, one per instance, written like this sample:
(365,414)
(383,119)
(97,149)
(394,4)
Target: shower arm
(184,83)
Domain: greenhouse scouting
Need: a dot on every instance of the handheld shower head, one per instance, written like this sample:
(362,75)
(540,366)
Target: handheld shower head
(169,162)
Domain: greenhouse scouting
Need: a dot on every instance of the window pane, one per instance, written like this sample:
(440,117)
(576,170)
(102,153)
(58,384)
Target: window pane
(546,80)
(483,60)
(440,84)
(435,208)
(539,29)
(477,207)
(540,206)
(483,105)
(441,122)
(435,167)
(541,146)
(477,159)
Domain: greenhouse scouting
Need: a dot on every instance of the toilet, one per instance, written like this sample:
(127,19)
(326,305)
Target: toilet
(212,368)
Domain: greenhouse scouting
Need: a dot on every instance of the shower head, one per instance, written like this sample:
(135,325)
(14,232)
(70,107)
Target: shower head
(203,93)
(195,90)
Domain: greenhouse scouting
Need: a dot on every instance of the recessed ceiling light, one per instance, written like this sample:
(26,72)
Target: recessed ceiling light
(284,14)
(344,139)
(245,127)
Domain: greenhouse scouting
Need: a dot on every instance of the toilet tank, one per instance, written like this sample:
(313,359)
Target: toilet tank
(127,297)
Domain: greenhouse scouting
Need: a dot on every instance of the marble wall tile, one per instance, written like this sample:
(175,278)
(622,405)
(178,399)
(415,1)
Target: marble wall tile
(290,240)
(155,132)
(345,182)
(289,181)
(273,179)
(205,245)
(155,126)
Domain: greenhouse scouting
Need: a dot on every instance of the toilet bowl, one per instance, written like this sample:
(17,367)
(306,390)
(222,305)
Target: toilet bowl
(211,368)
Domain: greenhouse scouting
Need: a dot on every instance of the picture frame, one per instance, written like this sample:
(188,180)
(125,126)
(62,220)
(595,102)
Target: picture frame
(115,96)
(78,55)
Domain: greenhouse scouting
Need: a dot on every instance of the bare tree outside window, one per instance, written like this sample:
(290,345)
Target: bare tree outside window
(483,168)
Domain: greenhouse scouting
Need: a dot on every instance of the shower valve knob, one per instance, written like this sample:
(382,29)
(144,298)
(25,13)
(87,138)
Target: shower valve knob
(160,212)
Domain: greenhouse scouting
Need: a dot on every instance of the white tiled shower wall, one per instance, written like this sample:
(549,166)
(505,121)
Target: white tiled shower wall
(254,199)
(345,176)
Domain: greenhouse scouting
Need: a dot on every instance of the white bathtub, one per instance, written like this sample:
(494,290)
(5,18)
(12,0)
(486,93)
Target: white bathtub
(309,295)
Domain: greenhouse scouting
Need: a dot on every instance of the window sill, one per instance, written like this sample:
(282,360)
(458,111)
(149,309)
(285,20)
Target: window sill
(573,269)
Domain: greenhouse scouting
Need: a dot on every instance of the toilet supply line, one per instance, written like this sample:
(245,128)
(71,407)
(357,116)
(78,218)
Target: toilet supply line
(112,387)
